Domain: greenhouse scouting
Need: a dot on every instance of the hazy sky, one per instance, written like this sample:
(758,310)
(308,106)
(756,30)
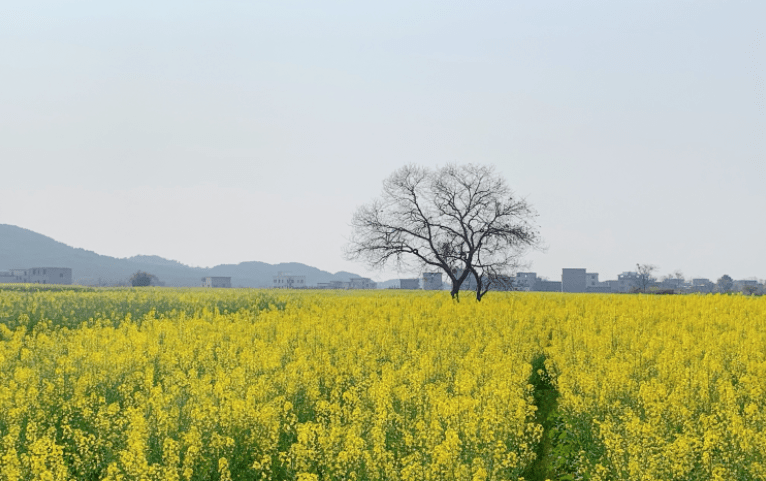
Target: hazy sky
(221,132)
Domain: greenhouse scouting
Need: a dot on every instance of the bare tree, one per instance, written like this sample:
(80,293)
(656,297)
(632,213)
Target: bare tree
(644,275)
(460,219)
(675,280)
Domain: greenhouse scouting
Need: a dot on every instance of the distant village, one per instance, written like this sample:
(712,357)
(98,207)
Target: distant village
(572,280)
(579,280)
(37,275)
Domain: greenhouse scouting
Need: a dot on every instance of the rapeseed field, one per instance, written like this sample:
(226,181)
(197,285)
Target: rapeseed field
(229,384)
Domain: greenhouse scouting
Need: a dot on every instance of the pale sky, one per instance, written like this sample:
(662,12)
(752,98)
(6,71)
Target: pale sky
(222,132)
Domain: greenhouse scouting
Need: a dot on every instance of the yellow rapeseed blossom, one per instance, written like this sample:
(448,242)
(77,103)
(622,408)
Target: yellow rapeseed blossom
(197,384)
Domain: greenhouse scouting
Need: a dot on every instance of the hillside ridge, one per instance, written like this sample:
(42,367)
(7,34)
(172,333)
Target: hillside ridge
(23,248)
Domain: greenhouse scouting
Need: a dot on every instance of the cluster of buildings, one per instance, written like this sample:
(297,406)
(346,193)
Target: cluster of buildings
(579,280)
(37,275)
(288,281)
(572,280)
(431,281)
(63,275)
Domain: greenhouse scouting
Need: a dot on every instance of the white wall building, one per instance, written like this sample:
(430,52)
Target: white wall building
(432,281)
(525,281)
(333,285)
(573,280)
(7,278)
(216,282)
(38,275)
(626,282)
(353,283)
(362,283)
(748,286)
(593,285)
(284,280)
(702,285)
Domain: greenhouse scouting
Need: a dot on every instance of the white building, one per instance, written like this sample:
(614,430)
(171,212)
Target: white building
(525,281)
(7,278)
(333,285)
(353,283)
(547,286)
(593,285)
(702,285)
(38,275)
(362,283)
(675,283)
(748,286)
(216,282)
(626,282)
(409,283)
(573,280)
(432,281)
(284,280)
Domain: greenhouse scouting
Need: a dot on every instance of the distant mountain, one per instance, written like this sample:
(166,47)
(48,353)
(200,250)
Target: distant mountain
(23,248)
(155,260)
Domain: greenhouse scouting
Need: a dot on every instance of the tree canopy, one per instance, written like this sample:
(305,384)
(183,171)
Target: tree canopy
(142,279)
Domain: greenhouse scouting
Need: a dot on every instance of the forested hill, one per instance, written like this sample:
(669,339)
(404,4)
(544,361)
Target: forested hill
(23,248)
